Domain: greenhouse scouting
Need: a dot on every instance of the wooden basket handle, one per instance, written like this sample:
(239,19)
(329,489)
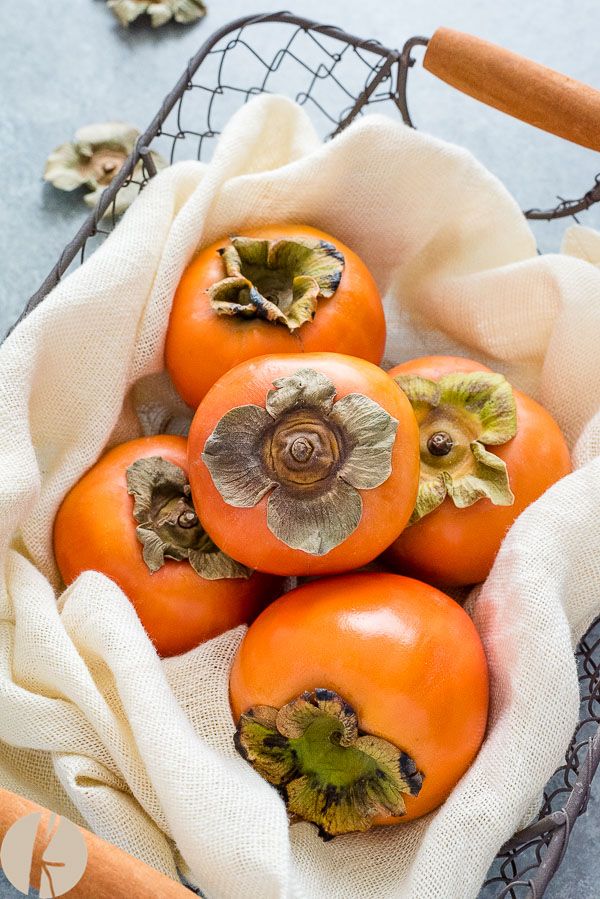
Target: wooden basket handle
(110,872)
(516,85)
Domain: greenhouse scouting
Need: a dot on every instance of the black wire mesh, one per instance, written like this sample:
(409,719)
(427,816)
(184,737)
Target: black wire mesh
(335,81)
(513,873)
(334,75)
(301,69)
(338,77)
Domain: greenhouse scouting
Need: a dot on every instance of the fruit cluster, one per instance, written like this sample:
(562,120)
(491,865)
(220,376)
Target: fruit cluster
(361,696)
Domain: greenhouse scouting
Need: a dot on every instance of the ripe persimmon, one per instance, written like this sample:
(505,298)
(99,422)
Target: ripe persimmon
(305,464)
(487,452)
(131,517)
(282,289)
(362,697)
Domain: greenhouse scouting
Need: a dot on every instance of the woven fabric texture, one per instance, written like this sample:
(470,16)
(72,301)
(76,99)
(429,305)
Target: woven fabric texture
(92,722)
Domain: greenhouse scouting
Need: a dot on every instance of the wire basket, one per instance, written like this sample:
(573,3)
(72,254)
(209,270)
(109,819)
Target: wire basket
(338,77)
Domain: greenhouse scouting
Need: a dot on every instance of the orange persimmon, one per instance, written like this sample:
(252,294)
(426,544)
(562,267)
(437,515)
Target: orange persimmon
(182,587)
(279,289)
(520,451)
(305,464)
(362,697)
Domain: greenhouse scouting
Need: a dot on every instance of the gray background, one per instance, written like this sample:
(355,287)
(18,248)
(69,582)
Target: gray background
(69,63)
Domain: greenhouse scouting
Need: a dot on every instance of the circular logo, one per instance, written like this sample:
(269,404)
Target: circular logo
(63,855)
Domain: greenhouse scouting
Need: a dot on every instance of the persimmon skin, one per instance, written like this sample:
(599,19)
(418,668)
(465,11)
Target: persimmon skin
(95,530)
(202,345)
(405,656)
(243,532)
(456,547)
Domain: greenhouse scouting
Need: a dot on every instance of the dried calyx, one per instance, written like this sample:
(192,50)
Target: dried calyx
(459,416)
(159,11)
(327,769)
(278,281)
(168,526)
(311,454)
(94,158)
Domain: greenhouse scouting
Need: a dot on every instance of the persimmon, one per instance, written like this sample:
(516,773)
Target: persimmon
(131,517)
(306,464)
(280,289)
(362,697)
(487,452)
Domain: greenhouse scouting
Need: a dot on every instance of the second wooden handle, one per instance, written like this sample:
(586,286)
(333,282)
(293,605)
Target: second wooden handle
(516,85)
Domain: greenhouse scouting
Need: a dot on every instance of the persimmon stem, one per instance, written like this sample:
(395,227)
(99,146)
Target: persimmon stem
(440,443)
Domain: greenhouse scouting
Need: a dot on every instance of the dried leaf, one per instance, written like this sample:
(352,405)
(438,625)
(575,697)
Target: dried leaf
(488,478)
(316,524)
(213,564)
(422,393)
(305,389)
(159,11)
(432,492)
(94,159)
(233,458)
(486,396)
(370,432)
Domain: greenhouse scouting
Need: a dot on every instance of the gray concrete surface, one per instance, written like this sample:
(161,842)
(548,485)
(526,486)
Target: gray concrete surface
(69,63)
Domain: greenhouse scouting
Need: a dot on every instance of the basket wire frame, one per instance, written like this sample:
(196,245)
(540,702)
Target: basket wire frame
(338,77)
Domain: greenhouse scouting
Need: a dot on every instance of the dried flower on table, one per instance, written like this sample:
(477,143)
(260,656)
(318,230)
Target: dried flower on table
(160,11)
(94,159)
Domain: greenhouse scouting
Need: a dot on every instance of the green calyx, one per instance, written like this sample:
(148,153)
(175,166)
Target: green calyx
(327,770)
(168,526)
(279,281)
(459,416)
(310,454)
